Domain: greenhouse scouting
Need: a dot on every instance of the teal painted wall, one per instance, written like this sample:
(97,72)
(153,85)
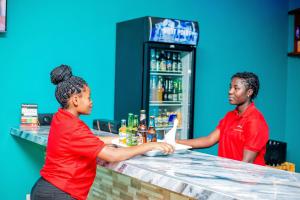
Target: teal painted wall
(235,36)
(292,136)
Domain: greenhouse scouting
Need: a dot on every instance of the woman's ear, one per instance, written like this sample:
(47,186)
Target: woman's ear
(249,92)
(74,100)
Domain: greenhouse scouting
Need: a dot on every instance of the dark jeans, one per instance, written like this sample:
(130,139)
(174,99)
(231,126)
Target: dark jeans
(43,190)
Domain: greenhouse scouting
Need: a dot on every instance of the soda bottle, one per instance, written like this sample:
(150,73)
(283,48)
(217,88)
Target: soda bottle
(122,132)
(166,86)
(153,89)
(157,56)
(129,130)
(160,89)
(174,62)
(142,130)
(152,60)
(169,61)
(165,118)
(151,134)
(134,139)
(174,92)
(170,90)
(179,63)
(162,64)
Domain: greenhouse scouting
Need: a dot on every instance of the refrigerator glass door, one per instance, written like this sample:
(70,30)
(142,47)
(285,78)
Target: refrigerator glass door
(170,90)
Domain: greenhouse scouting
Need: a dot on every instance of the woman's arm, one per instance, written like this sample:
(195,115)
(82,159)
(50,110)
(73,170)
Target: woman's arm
(202,142)
(112,154)
(108,139)
(249,156)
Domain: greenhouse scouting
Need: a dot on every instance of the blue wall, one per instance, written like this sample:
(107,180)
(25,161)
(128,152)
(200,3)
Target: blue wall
(292,133)
(235,36)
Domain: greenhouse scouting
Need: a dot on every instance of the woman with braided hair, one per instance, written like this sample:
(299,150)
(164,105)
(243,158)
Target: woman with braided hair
(72,149)
(243,133)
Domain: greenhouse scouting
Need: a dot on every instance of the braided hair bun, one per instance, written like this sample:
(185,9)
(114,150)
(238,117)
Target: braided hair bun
(66,84)
(60,74)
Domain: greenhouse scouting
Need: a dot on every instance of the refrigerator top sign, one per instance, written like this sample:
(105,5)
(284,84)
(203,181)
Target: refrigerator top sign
(173,31)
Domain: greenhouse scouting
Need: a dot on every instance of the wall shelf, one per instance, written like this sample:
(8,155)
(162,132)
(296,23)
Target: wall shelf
(296,48)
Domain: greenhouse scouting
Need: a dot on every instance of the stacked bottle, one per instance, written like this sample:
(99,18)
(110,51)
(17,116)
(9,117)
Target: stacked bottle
(165,88)
(151,134)
(142,130)
(165,61)
(165,118)
(131,131)
(136,133)
(122,132)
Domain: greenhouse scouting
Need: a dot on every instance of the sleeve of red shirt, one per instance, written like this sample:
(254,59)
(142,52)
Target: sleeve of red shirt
(256,135)
(85,143)
(222,122)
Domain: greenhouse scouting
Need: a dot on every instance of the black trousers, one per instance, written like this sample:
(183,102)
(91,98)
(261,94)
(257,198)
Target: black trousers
(43,190)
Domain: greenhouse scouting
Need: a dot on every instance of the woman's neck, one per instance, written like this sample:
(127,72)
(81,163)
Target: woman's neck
(72,111)
(243,107)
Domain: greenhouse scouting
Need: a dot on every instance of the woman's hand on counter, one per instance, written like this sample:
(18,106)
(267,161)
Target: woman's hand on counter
(112,154)
(162,146)
(108,139)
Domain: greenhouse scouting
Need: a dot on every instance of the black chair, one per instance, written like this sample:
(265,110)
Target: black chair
(106,125)
(45,119)
(275,152)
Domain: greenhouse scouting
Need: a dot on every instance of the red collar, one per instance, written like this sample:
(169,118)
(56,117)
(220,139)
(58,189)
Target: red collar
(247,111)
(64,112)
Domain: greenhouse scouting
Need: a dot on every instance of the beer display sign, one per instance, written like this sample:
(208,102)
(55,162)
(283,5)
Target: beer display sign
(173,31)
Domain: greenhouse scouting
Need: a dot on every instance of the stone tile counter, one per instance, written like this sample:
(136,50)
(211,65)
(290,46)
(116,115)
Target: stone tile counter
(204,176)
(39,135)
(192,175)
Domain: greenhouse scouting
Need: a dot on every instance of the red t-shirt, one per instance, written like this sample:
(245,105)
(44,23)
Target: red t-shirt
(71,155)
(248,131)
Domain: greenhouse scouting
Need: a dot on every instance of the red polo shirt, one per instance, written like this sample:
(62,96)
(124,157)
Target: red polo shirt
(239,132)
(71,155)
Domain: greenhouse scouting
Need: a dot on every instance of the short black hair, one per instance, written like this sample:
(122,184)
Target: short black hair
(67,84)
(251,80)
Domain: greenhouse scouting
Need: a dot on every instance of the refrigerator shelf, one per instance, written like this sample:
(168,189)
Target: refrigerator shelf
(159,73)
(165,103)
(166,128)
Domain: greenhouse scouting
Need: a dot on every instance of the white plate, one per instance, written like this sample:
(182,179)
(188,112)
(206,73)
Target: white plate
(179,148)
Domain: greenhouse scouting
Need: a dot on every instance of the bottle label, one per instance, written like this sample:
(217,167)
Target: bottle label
(151,137)
(153,65)
(131,139)
(122,138)
(169,65)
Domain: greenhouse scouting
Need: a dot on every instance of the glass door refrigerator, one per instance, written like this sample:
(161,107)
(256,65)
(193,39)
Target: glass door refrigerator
(155,71)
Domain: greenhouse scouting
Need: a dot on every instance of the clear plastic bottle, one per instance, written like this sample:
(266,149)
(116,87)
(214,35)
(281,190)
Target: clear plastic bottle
(122,132)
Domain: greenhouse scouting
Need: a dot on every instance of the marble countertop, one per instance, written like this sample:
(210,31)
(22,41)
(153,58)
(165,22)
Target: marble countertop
(39,135)
(199,175)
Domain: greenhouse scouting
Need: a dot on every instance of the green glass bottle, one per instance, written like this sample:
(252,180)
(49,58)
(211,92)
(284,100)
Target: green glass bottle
(129,129)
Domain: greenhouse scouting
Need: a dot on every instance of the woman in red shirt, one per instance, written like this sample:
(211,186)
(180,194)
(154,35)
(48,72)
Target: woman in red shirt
(72,149)
(243,133)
